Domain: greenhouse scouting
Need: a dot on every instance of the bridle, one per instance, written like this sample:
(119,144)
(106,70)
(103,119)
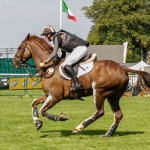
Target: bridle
(24,65)
(20,62)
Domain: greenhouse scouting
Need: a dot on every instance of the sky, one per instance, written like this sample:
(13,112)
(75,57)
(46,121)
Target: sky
(20,17)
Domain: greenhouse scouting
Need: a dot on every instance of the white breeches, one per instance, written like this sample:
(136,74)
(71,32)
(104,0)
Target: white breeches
(78,53)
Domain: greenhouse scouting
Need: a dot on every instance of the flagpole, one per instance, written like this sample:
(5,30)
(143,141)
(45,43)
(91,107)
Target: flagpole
(60,14)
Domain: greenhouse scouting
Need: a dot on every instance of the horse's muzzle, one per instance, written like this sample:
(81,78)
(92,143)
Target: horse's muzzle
(16,63)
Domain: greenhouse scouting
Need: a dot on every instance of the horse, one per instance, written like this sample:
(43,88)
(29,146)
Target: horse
(144,90)
(106,80)
(139,89)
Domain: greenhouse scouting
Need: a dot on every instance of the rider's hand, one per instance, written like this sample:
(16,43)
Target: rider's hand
(42,64)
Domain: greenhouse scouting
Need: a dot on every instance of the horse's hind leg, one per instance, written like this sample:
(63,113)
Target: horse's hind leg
(37,121)
(114,104)
(99,103)
(99,113)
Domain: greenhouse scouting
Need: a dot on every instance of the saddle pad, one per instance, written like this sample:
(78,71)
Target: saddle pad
(82,69)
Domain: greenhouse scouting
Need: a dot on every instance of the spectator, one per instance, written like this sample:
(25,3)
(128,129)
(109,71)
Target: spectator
(136,89)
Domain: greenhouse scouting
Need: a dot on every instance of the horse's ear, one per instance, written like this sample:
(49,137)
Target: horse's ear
(28,36)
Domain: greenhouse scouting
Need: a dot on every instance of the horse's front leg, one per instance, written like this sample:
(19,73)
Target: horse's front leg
(49,103)
(35,116)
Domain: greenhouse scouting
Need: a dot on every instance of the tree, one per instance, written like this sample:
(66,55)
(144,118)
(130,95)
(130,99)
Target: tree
(115,22)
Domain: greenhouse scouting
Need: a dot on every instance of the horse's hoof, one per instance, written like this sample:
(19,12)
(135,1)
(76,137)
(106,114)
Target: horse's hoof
(80,98)
(63,117)
(38,127)
(76,131)
(105,136)
(38,124)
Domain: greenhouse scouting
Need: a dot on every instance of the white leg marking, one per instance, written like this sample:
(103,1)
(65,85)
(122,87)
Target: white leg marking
(79,127)
(45,103)
(94,92)
(35,118)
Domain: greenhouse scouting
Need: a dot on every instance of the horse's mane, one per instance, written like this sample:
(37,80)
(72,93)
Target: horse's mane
(41,41)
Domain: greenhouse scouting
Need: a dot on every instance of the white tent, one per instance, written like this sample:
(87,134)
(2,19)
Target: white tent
(140,66)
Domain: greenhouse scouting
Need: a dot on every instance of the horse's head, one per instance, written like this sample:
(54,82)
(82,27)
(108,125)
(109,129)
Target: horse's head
(25,49)
(23,53)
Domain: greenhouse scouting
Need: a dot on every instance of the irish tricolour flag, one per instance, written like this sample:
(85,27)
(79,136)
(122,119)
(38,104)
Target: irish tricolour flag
(67,10)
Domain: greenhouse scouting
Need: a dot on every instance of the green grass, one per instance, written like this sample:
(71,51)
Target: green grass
(17,131)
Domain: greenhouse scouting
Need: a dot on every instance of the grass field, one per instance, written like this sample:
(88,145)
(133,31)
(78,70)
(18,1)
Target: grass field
(17,131)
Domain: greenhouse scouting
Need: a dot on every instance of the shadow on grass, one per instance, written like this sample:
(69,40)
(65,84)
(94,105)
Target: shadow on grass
(66,133)
(128,133)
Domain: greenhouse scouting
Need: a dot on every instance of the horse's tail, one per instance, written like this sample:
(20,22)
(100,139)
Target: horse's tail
(145,75)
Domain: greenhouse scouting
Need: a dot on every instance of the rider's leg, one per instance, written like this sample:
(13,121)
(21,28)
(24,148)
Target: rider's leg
(70,71)
(78,53)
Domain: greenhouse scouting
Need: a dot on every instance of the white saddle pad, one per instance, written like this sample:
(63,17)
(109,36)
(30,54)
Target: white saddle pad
(82,69)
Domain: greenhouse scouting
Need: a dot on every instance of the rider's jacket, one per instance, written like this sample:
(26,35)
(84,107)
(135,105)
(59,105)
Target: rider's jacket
(69,40)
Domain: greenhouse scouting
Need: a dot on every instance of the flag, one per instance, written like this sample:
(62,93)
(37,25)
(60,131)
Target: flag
(67,10)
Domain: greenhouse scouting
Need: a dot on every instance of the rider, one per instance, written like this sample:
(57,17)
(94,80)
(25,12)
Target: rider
(67,42)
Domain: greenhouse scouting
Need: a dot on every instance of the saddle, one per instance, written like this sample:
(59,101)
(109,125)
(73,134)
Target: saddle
(85,60)
(82,64)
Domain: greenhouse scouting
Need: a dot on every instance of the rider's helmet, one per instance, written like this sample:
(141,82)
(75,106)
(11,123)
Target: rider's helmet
(48,29)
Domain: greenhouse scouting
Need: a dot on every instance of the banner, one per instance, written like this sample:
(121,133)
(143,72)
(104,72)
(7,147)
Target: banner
(24,83)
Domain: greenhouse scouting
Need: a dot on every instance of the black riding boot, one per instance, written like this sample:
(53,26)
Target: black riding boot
(71,73)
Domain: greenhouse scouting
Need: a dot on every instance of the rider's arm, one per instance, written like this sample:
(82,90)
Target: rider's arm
(55,50)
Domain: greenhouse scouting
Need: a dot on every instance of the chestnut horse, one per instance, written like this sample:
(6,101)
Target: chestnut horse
(107,79)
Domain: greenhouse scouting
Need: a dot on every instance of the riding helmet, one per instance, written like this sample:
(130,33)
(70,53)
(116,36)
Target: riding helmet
(48,29)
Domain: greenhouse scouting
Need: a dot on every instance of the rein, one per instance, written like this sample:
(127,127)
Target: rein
(40,76)
(31,75)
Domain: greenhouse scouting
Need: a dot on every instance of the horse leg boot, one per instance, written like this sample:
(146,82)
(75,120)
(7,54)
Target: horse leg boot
(49,103)
(71,73)
(117,117)
(114,104)
(99,113)
(38,123)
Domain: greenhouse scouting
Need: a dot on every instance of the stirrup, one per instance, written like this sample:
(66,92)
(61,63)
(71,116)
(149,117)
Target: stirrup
(76,87)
